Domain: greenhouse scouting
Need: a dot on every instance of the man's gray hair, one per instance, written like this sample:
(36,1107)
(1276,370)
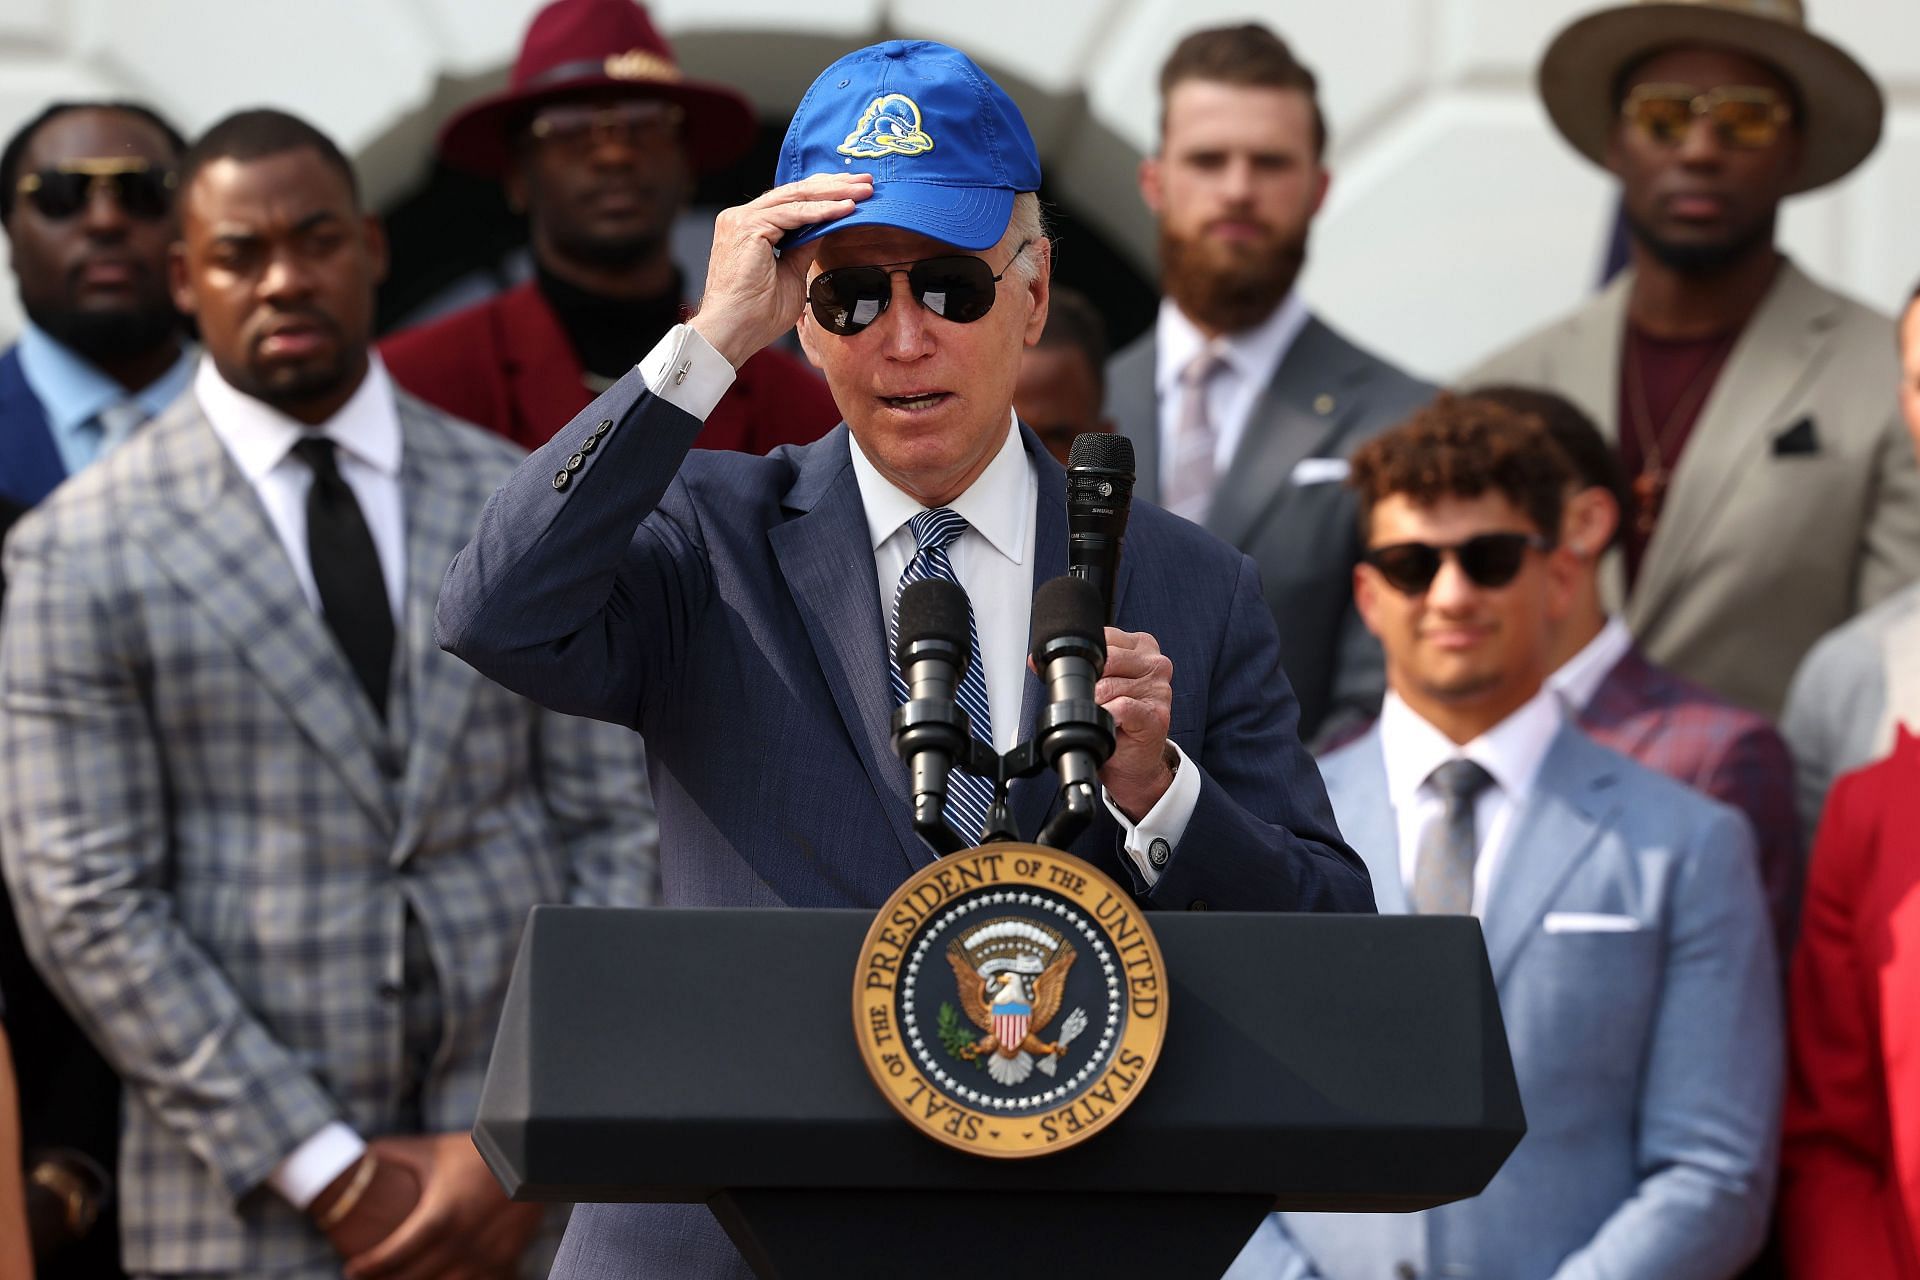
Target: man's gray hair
(1028,223)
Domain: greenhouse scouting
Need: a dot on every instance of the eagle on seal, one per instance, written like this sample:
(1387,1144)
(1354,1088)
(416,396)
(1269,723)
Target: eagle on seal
(1008,1006)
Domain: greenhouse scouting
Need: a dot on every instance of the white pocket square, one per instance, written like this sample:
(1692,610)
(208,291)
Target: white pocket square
(1320,471)
(1589,922)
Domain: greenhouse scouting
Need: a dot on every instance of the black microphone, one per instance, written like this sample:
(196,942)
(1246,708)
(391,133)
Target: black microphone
(1074,734)
(1099,494)
(930,730)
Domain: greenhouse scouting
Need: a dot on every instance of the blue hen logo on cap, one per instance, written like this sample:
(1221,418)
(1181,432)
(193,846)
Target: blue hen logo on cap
(889,127)
(902,97)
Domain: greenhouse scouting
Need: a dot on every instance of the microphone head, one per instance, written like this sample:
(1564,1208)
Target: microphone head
(933,609)
(1101,451)
(1069,608)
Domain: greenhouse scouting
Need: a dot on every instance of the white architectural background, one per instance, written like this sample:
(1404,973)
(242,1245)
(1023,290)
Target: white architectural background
(1458,220)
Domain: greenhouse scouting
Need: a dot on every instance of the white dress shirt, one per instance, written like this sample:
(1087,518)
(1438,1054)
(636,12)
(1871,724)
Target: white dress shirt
(1579,677)
(260,440)
(1249,360)
(366,433)
(1511,752)
(993,558)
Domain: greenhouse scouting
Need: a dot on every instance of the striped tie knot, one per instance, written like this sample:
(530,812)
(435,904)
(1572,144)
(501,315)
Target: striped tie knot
(935,527)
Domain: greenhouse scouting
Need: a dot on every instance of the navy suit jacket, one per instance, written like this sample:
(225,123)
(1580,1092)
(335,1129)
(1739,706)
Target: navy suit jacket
(725,606)
(30,463)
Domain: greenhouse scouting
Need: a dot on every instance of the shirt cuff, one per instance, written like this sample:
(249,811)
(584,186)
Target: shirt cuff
(1152,842)
(315,1163)
(684,370)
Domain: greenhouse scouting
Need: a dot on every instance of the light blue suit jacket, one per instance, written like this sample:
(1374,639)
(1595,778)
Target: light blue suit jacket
(1649,1059)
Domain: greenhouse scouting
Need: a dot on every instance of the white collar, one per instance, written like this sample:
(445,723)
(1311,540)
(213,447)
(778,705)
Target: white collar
(1579,677)
(995,505)
(1253,353)
(1512,751)
(259,436)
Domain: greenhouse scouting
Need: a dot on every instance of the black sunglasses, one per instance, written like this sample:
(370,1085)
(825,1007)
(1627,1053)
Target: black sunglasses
(1489,559)
(960,288)
(61,193)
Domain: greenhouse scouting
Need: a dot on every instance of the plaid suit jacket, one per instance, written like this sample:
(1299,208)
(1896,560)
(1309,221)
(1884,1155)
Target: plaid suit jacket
(1676,727)
(213,842)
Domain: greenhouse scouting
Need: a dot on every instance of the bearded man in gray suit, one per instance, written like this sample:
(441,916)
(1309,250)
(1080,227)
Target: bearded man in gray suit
(271,845)
(1242,405)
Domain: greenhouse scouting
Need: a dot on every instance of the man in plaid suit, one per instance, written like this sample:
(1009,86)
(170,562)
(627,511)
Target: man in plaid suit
(1626,702)
(272,846)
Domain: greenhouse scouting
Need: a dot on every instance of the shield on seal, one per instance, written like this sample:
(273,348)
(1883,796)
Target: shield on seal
(1012,1013)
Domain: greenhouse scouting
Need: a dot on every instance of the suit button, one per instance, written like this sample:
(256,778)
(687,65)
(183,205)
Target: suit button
(561,479)
(590,444)
(391,992)
(1404,1270)
(606,425)
(573,463)
(1199,904)
(1158,852)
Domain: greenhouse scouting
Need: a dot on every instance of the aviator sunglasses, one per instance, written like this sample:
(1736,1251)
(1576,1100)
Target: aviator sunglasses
(1488,559)
(62,192)
(959,288)
(1744,117)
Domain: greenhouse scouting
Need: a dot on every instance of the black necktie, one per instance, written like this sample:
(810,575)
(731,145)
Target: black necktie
(346,568)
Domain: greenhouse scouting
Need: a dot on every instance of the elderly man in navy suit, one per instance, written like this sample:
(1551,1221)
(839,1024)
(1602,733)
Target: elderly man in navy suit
(1623,911)
(734,608)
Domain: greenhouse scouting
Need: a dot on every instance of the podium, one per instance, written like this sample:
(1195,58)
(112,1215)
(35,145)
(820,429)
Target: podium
(1330,1062)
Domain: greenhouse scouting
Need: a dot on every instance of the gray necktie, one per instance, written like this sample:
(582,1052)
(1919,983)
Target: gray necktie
(110,427)
(1189,489)
(1443,873)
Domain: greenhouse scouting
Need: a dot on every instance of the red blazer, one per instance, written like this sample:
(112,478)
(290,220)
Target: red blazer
(1676,727)
(1850,1175)
(507,365)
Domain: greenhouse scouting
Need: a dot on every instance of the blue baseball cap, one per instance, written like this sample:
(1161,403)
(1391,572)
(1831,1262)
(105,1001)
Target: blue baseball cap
(947,148)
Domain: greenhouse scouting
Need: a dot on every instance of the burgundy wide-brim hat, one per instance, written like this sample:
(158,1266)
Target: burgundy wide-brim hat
(577,48)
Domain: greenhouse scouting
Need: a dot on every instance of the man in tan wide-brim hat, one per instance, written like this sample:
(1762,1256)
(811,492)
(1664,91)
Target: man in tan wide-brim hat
(1753,408)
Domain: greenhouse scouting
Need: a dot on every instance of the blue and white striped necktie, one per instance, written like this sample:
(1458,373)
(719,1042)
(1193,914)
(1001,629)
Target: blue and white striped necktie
(968,797)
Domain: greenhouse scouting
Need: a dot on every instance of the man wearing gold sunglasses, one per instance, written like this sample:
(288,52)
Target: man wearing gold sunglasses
(86,197)
(1776,496)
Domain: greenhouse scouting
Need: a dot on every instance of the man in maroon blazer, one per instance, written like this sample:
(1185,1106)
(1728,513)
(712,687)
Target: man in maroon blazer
(1625,702)
(597,137)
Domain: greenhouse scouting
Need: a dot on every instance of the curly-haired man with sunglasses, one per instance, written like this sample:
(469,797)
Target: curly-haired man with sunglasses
(86,198)
(1624,917)
(735,609)
(1751,407)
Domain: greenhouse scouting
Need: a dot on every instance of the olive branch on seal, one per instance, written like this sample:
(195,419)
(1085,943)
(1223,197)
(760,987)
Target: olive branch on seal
(955,1035)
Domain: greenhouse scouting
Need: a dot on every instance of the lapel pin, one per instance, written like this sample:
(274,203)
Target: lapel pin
(1323,404)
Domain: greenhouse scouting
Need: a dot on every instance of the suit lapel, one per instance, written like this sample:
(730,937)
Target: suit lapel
(1309,401)
(542,369)
(826,556)
(442,497)
(1780,348)
(1031,799)
(1551,835)
(1356,778)
(30,463)
(1622,707)
(208,532)
(1135,407)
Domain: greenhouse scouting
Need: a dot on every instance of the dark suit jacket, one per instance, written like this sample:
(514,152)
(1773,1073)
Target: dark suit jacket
(725,605)
(69,1096)
(1676,727)
(507,364)
(30,463)
(1302,529)
(1850,1165)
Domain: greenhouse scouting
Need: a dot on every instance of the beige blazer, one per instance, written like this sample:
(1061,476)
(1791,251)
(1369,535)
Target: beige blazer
(1763,548)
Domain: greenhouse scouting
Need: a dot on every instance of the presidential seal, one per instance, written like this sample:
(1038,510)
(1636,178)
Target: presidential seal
(1010,1000)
